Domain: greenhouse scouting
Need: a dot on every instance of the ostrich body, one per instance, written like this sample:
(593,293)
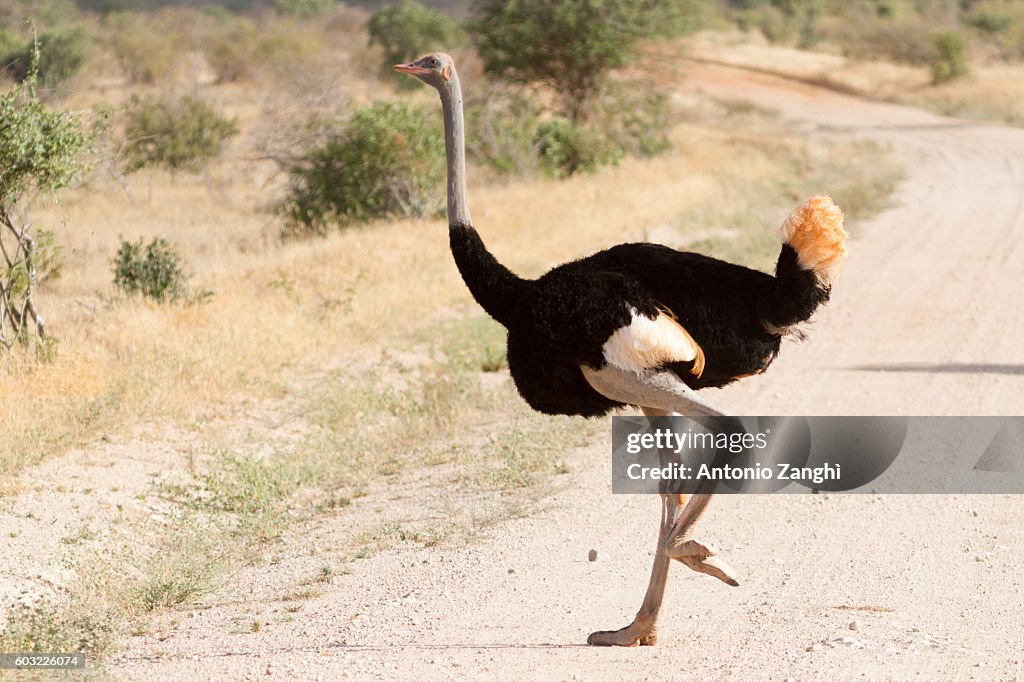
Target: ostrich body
(638,324)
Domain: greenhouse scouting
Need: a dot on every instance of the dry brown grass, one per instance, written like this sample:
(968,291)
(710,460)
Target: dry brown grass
(992,92)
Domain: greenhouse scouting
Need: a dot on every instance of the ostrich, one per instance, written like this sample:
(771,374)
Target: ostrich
(639,324)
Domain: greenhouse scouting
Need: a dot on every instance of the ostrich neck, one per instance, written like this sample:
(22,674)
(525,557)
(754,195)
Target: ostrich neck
(495,287)
(455,148)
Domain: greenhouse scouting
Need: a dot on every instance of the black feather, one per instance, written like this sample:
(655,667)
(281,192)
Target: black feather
(562,320)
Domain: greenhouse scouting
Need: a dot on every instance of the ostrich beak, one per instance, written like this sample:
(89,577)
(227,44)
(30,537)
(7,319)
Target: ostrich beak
(412,69)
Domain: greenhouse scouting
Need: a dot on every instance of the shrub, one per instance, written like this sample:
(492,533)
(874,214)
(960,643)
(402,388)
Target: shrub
(781,21)
(145,49)
(152,270)
(237,48)
(10,45)
(865,35)
(232,47)
(990,22)
(501,130)
(771,22)
(40,152)
(304,9)
(566,148)
(181,135)
(388,160)
(410,30)
(950,60)
(638,122)
(62,55)
(526,41)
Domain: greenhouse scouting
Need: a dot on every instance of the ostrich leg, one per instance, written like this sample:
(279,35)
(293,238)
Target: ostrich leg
(675,535)
(643,631)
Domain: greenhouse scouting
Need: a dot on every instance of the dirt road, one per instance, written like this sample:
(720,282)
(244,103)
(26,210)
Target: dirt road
(927,319)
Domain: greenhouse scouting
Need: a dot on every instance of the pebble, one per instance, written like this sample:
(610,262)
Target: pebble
(851,642)
(854,625)
(511,571)
(592,555)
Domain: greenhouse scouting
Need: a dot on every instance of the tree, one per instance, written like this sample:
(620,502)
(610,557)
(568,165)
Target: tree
(570,45)
(40,152)
(409,30)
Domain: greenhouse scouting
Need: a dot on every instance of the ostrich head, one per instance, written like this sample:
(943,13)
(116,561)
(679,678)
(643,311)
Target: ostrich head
(436,69)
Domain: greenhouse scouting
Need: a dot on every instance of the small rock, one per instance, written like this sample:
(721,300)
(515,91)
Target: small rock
(592,555)
(854,625)
(851,642)
(812,647)
(511,571)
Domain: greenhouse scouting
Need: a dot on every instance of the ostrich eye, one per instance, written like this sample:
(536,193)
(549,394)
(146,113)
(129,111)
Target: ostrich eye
(435,63)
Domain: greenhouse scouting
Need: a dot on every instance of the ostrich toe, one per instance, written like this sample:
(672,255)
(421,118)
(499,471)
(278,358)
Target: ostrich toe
(632,635)
(701,558)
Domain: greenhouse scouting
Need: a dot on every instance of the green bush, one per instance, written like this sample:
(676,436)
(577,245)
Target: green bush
(408,31)
(771,22)
(388,160)
(565,148)
(41,152)
(10,44)
(637,121)
(232,47)
(62,54)
(864,35)
(951,59)
(237,48)
(304,9)
(781,21)
(501,126)
(990,22)
(146,50)
(571,45)
(152,270)
(507,132)
(180,134)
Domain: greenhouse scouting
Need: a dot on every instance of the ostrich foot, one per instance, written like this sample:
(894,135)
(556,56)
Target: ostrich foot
(701,558)
(631,635)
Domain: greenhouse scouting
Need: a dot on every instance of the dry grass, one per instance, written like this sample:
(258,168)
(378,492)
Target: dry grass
(992,92)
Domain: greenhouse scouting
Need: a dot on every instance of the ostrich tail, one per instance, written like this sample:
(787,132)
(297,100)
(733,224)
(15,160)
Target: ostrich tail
(815,231)
(813,248)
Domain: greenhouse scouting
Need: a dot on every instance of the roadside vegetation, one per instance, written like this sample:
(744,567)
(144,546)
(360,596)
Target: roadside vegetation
(960,58)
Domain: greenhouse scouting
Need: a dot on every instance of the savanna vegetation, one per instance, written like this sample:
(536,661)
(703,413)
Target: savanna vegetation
(959,57)
(240,255)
